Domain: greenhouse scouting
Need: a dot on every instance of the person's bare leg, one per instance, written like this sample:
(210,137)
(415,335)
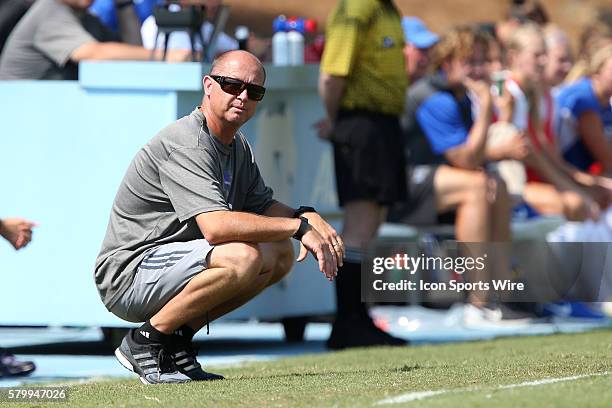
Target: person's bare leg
(361,222)
(547,200)
(233,268)
(465,191)
(501,211)
(483,215)
(544,198)
(278,258)
(501,260)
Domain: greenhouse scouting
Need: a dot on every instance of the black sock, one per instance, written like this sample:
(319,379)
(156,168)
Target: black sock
(348,292)
(147,334)
(185,332)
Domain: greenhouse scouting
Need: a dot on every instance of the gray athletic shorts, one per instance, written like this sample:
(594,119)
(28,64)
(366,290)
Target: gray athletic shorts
(161,275)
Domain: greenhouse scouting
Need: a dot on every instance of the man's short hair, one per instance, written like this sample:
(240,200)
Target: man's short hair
(458,43)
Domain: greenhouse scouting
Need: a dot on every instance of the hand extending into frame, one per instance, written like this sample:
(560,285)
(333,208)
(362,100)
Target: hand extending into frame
(17,231)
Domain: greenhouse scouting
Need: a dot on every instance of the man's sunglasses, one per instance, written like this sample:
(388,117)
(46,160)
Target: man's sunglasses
(235,86)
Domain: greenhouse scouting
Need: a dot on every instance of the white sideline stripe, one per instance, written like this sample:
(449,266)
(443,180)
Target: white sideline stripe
(419,395)
(551,380)
(413,396)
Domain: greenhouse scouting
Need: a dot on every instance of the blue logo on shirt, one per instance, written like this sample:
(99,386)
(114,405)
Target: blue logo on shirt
(388,42)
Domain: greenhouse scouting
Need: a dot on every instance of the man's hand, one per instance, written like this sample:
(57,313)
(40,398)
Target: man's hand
(324,128)
(324,243)
(313,242)
(17,231)
(579,206)
(601,191)
(481,89)
(329,235)
(517,147)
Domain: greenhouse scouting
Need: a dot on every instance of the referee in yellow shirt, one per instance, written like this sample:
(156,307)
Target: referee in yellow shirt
(362,85)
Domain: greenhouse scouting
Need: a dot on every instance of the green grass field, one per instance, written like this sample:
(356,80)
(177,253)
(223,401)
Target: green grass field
(576,369)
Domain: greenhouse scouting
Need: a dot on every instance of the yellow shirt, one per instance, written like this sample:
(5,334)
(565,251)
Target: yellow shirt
(364,42)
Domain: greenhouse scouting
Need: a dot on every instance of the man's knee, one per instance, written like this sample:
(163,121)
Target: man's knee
(478,187)
(243,261)
(487,187)
(284,261)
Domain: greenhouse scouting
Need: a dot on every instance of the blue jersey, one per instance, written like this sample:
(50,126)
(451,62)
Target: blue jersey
(572,101)
(436,120)
(443,120)
(106,12)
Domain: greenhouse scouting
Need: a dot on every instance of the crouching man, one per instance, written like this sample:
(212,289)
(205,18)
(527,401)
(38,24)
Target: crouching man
(194,232)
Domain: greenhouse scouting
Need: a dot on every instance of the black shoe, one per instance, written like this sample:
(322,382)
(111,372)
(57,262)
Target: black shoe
(360,332)
(11,367)
(185,359)
(154,363)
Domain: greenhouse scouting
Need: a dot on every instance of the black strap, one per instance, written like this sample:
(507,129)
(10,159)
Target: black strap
(299,234)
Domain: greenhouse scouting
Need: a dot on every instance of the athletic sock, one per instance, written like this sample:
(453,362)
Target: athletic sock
(147,334)
(348,292)
(185,332)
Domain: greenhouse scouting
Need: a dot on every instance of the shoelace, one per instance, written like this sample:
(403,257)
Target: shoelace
(165,363)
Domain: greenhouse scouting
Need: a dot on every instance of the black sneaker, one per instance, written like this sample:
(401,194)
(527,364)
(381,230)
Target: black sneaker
(154,363)
(185,360)
(360,332)
(11,367)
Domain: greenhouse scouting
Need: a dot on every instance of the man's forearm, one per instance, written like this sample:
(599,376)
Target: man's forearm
(331,90)
(227,226)
(110,51)
(477,138)
(278,209)
(472,154)
(550,172)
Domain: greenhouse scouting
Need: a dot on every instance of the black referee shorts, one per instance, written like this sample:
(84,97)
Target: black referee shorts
(369,158)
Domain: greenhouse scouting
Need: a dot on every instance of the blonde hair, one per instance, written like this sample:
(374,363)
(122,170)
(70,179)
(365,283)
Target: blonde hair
(593,38)
(458,43)
(522,36)
(519,41)
(599,59)
(555,36)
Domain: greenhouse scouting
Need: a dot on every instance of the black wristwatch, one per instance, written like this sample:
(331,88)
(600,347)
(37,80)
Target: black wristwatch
(303,209)
(302,230)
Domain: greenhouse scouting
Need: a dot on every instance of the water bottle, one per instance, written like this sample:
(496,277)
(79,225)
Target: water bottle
(280,48)
(295,40)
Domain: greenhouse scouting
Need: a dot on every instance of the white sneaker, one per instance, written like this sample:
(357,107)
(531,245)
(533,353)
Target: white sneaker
(488,317)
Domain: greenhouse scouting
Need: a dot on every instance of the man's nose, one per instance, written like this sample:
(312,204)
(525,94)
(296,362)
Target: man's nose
(244,95)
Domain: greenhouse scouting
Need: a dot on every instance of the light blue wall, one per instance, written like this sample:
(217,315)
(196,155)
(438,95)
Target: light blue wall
(65,147)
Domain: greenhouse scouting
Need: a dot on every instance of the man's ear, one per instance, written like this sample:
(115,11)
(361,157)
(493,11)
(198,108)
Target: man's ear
(207,83)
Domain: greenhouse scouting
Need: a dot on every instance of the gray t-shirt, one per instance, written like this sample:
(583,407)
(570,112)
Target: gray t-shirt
(180,173)
(41,44)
